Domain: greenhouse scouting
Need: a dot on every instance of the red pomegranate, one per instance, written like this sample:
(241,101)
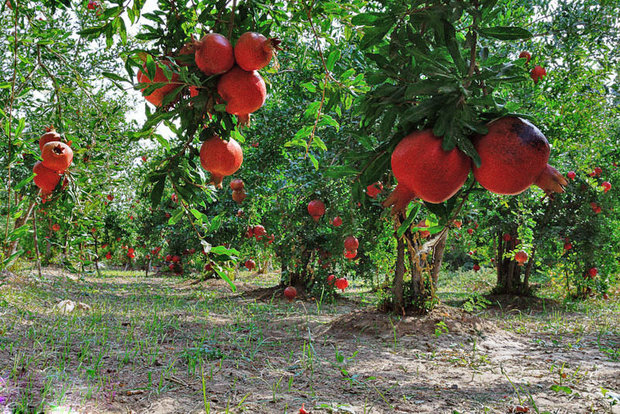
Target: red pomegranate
(214,54)
(239,196)
(57,156)
(56,227)
(374,189)
(350,254)
(316,209)
(568,246)
(220,158)
(470,231)
(342,283)
(592,272)
(606,186)
(50,136)
(423,169)
(45,178)
(538,73)
(506,237)
(521,257)
(514,155)
(254,51)
(250,264)
(290,293)
(571,175)
(244,92)
(351,243)
(237,185)
(259,231)
(330,279)
(337,221)
(526,55)
(476,267)
(157,96)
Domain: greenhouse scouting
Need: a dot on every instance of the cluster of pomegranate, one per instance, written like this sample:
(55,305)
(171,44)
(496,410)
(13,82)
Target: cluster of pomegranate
(537,72)
(350,247)
(259,233)
(513,154)
(56,159)
(239,84)
(238,194)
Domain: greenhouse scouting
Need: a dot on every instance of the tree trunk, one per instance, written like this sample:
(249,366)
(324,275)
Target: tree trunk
(397,285)
(18,223)
(438,252)
(509,280)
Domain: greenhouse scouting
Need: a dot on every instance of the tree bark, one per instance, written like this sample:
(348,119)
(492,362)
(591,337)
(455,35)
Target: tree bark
(18,223)
(438,252)
(399,273)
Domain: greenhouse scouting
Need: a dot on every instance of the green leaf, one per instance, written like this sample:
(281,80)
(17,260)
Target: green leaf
(334,55)
(176,217)
(114,76)
(409,220)
(562,388)
(25,181)
(158,190)
(226,278)
(453,47)
(505,33)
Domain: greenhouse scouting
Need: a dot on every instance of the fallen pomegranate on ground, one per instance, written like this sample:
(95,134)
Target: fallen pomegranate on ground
(513,156)
(424,170)
(290,293)
(250,264)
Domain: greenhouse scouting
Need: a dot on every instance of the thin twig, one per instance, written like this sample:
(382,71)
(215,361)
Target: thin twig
(231,25)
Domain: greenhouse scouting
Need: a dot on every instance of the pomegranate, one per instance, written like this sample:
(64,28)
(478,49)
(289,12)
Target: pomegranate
(336,221)
(174,198)
(244,92)
(57,156)
(56,227)
(538,73)
(568,246)
(423,169)
(220,158)
(342,283)
(373,190)
(606,186)
(237,185)
(350,254)
(330,279)
(571,175)
(595,207)
(598,171)
(157,96)
(175,259)
(45,178)
(506,237)
(458,224)
(239,196)
(521,257)
(250,264)
(470,231)
(108,255)
(526,55)
(592,272)
(476,267)
(254,51)
(214,54)
(290,293)
(259,231)
(316,209)
(513,155)
(110,197)
(50,136)
(423,233)
(351,243)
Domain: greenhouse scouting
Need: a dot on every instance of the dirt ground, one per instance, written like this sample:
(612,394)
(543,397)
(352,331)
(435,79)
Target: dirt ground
(163,345)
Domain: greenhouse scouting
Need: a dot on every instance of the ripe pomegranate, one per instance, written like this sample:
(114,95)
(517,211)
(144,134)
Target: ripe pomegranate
(350,254)
(244,92)
(239,196)
(214,54)
(290,293)
(592,272)
(351,243)
(336,221)
(526,55)
(50,136)
(176,259)
(514,155)
(330,279)
(606,186)
(45,178)
(470,231)
(595,207)
(568,246)
(458,224)
(538,73)
(108,255)
(157,96)
(110,197)
(476,267)
(220,158)
(250,264)
(57,156)
(506,237)
(373,190)
(423,169)
(316,209)
(254,51)
(237,184)
(56,227)
(342,283)
(521,257)
(174,198)
(571,175)
(259,231)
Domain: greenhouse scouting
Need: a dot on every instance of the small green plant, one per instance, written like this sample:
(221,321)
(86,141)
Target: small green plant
(441,328)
